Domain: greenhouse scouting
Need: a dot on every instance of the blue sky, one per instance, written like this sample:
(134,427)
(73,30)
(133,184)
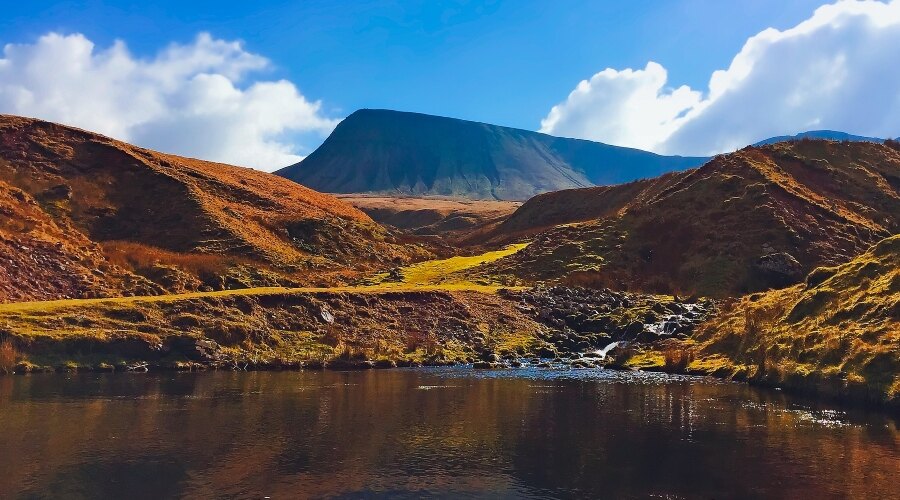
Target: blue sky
(504,62)
(515,63)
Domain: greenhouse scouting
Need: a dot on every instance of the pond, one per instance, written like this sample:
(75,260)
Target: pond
(432,432)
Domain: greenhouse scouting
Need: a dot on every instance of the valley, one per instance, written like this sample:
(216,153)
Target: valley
(752,267)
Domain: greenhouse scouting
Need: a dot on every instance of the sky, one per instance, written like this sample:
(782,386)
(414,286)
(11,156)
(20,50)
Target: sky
(263,83)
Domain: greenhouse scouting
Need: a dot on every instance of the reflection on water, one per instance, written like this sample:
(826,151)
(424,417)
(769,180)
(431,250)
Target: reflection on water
(430,432)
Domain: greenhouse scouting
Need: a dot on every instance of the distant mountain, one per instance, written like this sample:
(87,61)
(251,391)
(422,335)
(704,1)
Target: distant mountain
(757,218)
(832,135)
(83,215)
(392,152)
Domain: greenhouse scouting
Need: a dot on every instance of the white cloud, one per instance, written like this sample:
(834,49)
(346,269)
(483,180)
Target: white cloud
(189,99)
(836,70)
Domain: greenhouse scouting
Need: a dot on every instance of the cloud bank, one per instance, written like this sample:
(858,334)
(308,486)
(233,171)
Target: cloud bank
(837,70)
(189,99)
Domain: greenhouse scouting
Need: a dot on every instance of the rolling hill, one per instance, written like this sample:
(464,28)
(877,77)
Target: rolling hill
(758,218)
(392,152)
(84,215)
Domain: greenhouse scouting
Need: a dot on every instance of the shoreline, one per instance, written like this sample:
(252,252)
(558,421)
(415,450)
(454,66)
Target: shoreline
(847,401)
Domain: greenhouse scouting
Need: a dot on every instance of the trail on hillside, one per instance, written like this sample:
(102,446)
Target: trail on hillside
(433,275)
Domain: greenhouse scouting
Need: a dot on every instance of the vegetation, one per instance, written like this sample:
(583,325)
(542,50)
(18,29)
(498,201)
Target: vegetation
(759,218)
(838,333)
(8,357)
(112,219)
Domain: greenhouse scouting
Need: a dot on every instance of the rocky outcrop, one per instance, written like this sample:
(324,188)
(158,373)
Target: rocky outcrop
(584,320)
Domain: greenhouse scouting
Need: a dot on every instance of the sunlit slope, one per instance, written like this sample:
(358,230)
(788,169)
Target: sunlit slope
(98,217)
(759,218)
(838,332)
(430,314)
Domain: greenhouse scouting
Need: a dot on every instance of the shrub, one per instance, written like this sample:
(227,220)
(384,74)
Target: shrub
(8,356)
(677,359)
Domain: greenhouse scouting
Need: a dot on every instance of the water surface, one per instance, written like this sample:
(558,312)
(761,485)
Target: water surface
(446,432)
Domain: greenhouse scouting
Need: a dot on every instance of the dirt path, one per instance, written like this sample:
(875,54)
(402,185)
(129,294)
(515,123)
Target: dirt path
(434,275)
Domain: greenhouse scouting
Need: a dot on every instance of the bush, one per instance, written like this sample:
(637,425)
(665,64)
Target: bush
(8,356)
(677,359)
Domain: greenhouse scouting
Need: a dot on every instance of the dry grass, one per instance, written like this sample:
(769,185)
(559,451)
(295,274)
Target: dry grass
(703,231)
(186,206)
(138,256)
(840,329)
(676,359)
(446,272)
(8,356)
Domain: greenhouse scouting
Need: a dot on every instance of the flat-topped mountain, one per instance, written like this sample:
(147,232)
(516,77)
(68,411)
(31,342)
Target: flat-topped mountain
(85,215)
(392,152)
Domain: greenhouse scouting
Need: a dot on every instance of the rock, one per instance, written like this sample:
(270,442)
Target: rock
(490,357)
(634,329)
(485,365)
(647,336)
(385,363)
(780,265)
(326,315)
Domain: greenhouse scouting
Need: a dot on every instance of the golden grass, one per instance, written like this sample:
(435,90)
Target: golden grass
(446,272)
(839,329)
(430,276)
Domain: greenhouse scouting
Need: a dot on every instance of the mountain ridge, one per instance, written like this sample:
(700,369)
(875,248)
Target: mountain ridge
(394,152)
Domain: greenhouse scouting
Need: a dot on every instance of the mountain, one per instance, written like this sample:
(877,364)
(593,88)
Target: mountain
(837,333)
(757,218)
(392,152)
(832,135)
(84,215)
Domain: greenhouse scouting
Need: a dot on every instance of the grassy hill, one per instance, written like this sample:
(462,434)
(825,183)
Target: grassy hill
(391,152)
(837,333)
(758,218)
(85,215)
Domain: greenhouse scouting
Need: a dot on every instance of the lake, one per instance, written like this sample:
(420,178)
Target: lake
(432,432)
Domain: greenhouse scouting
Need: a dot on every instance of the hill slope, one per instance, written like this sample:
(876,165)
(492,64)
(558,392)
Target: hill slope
(754,219)
(83,215)
(391,152)
(839,332)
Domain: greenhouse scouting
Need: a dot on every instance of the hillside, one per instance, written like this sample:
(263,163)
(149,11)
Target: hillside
(837,333)
(85,215)
(758,218)
(391,152)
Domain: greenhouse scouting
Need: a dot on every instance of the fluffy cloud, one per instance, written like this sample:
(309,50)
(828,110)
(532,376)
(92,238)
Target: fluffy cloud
(189,99)
(836,70)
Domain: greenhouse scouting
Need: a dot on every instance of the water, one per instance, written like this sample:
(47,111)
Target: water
(446,432)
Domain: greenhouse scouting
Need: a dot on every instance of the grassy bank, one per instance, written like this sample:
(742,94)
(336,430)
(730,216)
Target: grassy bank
(426,316)
(837,335)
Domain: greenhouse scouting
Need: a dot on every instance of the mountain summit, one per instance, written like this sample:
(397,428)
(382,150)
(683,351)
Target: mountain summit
(393,152)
